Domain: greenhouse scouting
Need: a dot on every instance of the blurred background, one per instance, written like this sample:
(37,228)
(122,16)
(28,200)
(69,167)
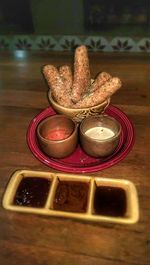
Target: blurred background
(63,24)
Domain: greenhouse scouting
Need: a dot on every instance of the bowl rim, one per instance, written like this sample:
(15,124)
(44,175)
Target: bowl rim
(51,99)
(98,140)
(55,141)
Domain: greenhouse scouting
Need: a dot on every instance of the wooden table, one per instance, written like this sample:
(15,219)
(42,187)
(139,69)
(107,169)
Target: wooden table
(31,239)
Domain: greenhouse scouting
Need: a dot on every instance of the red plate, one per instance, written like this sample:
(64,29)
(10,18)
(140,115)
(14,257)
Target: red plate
(79,162)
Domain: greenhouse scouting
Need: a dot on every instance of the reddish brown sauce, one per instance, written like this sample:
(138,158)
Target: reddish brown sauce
(71,196)
(57,134)
(110,201)
(32,192)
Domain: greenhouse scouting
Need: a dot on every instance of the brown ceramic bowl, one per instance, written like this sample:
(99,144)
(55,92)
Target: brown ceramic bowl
(99,136)
(58,136)
(78,114)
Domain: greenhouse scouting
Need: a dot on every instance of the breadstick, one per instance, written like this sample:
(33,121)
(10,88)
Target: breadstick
(100,94)
(81,81)
(66,76)
(56,85)
(99,81)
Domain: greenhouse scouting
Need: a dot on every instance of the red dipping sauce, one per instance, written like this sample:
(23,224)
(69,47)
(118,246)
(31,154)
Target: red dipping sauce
(57,135)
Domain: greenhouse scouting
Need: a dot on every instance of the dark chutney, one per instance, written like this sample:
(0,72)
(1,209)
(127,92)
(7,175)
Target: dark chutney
(71,196)
(32,192)
(110,201)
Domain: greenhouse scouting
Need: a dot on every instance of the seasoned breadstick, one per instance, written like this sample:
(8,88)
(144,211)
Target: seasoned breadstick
(99,81)
(100,94)
(56,85)
(66,76)
(53,79)
(82,78)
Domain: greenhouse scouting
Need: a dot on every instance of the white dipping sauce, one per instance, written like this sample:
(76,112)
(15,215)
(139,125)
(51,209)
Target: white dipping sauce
(100,133)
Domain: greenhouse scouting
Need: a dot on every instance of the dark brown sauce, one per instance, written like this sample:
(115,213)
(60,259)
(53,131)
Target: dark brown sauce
(32,192)
(71,196)
(110,201)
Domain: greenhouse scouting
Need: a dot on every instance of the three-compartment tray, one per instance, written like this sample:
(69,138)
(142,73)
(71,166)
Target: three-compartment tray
(79,161)
(81,197)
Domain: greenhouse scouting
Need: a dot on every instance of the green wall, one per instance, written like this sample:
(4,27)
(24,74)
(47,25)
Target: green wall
(58,16)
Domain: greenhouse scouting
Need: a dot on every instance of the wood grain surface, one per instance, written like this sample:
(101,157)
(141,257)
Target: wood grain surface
(31,239)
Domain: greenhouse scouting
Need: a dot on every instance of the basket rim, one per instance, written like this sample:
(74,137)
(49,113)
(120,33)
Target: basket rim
(51,99)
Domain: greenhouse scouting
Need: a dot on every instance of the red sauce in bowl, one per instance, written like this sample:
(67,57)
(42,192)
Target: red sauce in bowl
(57,135)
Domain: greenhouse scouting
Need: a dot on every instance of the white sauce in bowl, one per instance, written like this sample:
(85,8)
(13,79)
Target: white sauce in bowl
(100,133)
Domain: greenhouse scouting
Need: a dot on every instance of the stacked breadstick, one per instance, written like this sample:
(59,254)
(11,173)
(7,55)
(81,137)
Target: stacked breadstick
(76,90)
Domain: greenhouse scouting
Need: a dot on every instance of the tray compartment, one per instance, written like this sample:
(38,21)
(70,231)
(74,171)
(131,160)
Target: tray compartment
(28,190)
(118,201)
(71,194)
